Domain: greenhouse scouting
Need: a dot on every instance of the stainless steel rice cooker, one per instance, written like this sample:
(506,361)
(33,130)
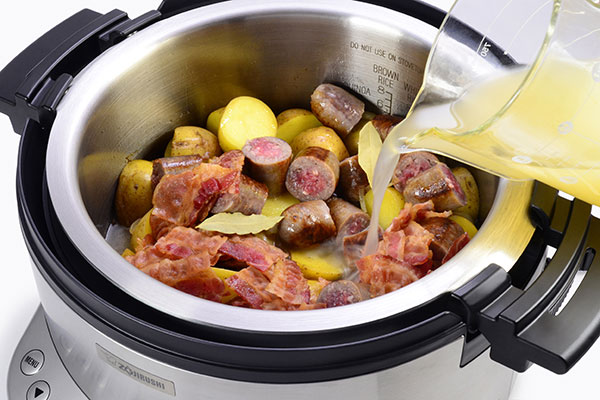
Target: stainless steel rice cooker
(99,90)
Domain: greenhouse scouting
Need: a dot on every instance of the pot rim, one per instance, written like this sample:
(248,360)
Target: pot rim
(501,239)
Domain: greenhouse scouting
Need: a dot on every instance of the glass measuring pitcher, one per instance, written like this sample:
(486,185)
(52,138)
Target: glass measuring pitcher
(531,113)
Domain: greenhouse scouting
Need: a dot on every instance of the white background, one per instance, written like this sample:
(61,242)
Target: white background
(21,22)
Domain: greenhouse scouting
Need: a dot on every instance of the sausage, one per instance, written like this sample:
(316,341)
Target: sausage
(313,175)
(268,161)
(336,108)
(307,223)
(348,219)
(173,166)
(445,233)
(437,184)
(248,199)
(353,246)
(384,124)
(410,165)
(353,180)
(343,292)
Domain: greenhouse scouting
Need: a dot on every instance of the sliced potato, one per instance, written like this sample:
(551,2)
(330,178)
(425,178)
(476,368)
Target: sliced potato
(393,203)
(351,141)
(465,224)
(469,186)
(223,274)
(292,122)
(192,140)
(169,148)
(317,263)
(139,229)
(323,137)
(134,191)
(274,206)
(315,288)
(129,252)
(245,118)
(214,120)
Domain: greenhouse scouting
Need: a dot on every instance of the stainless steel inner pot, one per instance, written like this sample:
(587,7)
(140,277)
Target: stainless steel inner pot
(178,70)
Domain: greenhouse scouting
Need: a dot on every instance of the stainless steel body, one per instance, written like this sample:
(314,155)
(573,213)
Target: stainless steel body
(83,363)
(178,70)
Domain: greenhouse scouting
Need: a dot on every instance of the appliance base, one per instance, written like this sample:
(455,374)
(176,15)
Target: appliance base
(36,371)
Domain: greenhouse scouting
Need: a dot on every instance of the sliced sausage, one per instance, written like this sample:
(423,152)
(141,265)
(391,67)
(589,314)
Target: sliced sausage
(173,166)
(313,175)
(384,124)
(411,165)
(353,180)
(249,198)
(445,233)
(307,223)
(348,219)
(336,108)
(437,184)
(268,159)
(343,292)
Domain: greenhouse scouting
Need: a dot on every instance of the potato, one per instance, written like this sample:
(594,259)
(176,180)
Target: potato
(316,262)
(315,288)
(192,140)
(223,274)
(351,141)
(169,148)
(139,229)
(274,206)
(134,191)
(323,137)
(245,118)
(128,252)
(393,203)
(214,120)
(292,122)
(469,186)
(465,224)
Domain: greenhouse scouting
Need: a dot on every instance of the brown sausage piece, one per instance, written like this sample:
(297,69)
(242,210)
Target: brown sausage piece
(348,219)
(353,246)
(249,199)
(268,159)
(173,166)
(307,223)
(313,175)
(438,184)
(336,108)
(343,292)
(445,233)
(384,124)
(353,180)
(411,165)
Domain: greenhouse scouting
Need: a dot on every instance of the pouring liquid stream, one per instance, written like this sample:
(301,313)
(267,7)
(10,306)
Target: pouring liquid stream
(548,132)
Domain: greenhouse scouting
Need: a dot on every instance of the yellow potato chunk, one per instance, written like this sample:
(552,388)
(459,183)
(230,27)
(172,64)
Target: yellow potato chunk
(169,148)
(128,252)
(223,274)
(139,229)
(465,224)
(469,186)
(393,203)
(351,141)
(214,120)
(134,191)
(315,288)
(317,262)
(245,118)
(323,137)
(292,122)
(274,206)
(192,140)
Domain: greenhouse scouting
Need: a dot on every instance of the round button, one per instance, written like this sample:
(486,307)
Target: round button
(40,390)
(32,362)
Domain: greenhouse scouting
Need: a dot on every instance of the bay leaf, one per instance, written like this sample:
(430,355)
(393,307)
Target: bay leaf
(369,146)
(238,223)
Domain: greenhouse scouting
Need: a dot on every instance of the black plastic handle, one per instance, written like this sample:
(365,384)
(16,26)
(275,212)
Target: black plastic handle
(522,326)
(32,84)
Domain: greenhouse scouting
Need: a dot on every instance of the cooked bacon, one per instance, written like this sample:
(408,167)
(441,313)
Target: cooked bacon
(252,251)
(385,274)
(417,212)
(185,199)
(250,285)
(354,244)
(456,247)
(182,242)
(233,159)
(192,275)
(288,283)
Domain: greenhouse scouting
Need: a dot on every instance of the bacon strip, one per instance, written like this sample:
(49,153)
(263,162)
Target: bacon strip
(288,283)
(252,251)
(250,285)
(385,274)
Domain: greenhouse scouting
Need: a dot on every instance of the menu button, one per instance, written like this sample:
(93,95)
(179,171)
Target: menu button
(32,362)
